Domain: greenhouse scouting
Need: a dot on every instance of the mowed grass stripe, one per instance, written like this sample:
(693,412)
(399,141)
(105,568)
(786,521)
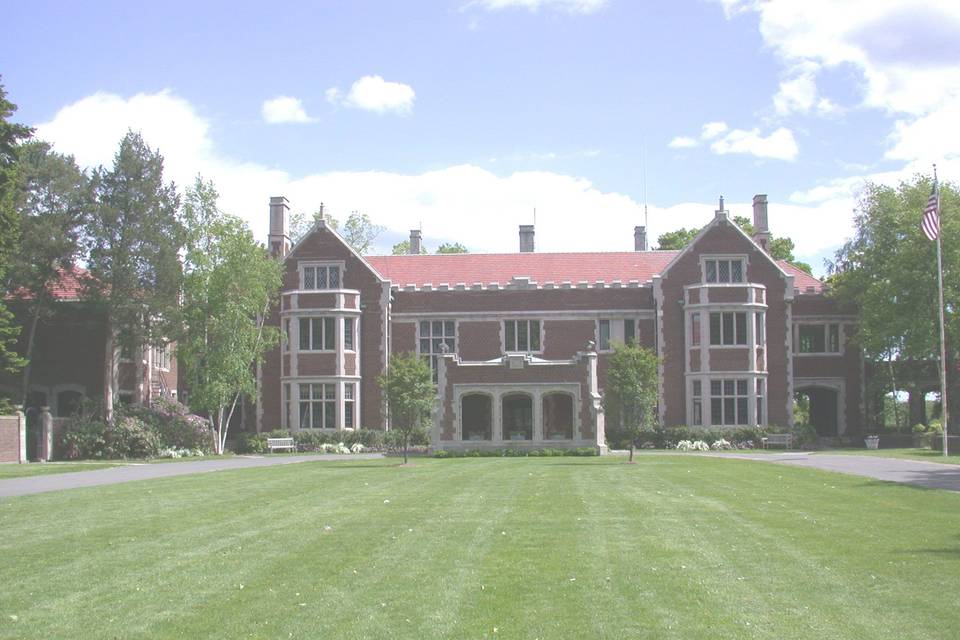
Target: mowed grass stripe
(672,547)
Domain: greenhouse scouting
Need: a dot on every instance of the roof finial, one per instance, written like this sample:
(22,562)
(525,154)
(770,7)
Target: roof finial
(934,171)
(721,203)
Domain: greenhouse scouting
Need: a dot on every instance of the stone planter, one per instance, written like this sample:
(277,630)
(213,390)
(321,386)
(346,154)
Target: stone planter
(872,442)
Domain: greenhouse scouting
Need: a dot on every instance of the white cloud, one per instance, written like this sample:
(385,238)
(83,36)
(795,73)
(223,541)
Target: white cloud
(712,130)
(779,145)
(284,109)
(373,93)
(567,6)
(683,142)
(447,201)
(798,95)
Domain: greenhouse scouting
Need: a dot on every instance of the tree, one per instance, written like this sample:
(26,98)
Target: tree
(630,392)
(134,236)
(410,394)
(360,232)
(452,247)
(11,136)
(888,270)
(230,282)
(402,248)
(301,223)
(780,248)
(52,197)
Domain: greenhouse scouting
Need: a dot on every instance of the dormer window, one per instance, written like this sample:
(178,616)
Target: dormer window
(723,270)
(319,276)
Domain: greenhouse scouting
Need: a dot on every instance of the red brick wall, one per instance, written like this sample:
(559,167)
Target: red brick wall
(404,337)
(729,359)
(564,338)
(316,364)
(479,340)
(9,439)
(522,300)
(723,239)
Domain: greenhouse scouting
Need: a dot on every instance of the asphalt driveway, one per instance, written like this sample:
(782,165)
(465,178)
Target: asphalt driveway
(914,472)
(133,472)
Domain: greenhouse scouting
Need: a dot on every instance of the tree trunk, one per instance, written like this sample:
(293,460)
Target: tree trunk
(109,370)
(28,355)
(631,453)
(918,407)
(406,439)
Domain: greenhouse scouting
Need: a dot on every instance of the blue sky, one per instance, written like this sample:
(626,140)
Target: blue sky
(463,116)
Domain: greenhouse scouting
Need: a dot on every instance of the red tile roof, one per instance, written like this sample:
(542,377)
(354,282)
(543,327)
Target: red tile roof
(470,268)
(69,286)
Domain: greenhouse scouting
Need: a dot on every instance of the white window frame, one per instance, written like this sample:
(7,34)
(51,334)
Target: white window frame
(431,355)
(825,327)
(735,344)
(616,332)
(352,323)
(323,400)
(503,328)
(303,266)
(303,342)
(349,400)
(161,357)
(735,397)
(741,258)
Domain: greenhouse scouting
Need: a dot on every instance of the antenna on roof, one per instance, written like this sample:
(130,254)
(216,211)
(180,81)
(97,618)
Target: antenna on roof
(643,165)
(534,216)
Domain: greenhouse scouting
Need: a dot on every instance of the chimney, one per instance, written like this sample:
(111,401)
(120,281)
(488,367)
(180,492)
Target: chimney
(414,242)
(526,238)
(279,238)
(761,230)
(639,238)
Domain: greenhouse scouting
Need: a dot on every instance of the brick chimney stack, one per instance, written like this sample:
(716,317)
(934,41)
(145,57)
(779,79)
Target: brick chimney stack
(526,238)
(279,238)
(761,229)
(639,238)
(415,243)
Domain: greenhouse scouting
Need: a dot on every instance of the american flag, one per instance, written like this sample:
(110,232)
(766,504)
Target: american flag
(931,215)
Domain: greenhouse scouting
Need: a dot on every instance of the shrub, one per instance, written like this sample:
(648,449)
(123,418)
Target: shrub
(131,437)
(721,445)
(693,445)
(514,453)
(84,436)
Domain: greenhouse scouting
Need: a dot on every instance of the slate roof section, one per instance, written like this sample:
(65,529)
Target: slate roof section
(470,268)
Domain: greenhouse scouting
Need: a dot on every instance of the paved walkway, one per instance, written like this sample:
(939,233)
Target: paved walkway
(931,475)
(132,472)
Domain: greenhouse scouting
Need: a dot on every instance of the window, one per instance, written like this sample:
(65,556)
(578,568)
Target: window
(435,335)
(609,331)
(321,277)
(286,335)
(697,402)
(317,334)
(728,328)
(348,405)
(723,270)
(819,338)
(521,335)
(695,329)
(348,334)
(760,329)
(760,401)
(318,406)
(286,405)
(161,357)
(728,402)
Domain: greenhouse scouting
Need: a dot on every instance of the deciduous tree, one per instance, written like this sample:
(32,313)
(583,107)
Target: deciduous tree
(452,247)
(410,394)
(230,282)
(630,392)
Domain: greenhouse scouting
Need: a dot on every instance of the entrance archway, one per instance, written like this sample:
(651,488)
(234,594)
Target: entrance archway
(517,414)
(476,416)
(824,409)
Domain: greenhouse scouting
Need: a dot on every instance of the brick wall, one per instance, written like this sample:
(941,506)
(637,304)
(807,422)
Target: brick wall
(10,438)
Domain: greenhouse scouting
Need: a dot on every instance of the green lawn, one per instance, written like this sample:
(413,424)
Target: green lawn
(671,547)
(44,468)
(924,455)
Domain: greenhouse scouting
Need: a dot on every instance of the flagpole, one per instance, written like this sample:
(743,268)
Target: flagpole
(943,349)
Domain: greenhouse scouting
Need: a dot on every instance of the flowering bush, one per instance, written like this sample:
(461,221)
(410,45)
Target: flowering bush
(181,453)
(721,445)
(695,445)
(357,447)
(130,437)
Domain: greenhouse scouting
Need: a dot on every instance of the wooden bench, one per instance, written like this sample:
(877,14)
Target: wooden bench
(784,439)
(281,443)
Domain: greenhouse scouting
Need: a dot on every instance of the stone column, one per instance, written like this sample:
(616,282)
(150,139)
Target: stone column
(22,434)
(46,435)
(537,416)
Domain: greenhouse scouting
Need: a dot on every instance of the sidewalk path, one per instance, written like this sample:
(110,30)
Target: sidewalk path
(931,475)
(132,472)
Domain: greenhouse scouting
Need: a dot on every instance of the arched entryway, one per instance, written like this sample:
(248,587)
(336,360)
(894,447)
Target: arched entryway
(822,408)
(517,414)
(558,416)
(476,416)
